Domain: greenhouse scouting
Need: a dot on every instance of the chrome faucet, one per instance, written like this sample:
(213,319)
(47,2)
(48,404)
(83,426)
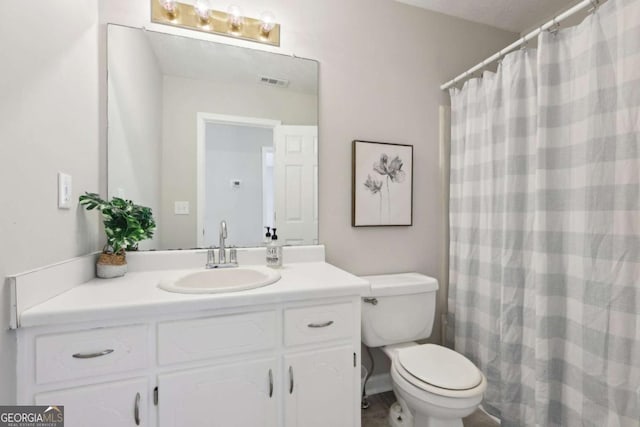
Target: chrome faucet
(222,254)
(223,235)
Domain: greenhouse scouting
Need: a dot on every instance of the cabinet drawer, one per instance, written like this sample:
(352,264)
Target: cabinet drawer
(318,323)
(90,353)
(196,339)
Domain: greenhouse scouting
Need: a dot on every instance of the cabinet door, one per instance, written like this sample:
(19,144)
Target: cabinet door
(239,395)
(122,404)
(320,389)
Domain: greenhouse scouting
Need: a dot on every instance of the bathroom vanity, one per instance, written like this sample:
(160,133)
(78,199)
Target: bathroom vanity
(123,352)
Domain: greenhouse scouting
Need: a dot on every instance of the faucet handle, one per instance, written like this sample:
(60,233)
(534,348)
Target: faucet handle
(233,255)
(211,256)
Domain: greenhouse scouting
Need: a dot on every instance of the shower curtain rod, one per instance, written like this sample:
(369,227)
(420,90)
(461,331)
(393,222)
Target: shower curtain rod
(522,40)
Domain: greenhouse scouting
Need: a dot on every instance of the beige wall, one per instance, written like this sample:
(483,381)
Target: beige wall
(381,63)
(48,123)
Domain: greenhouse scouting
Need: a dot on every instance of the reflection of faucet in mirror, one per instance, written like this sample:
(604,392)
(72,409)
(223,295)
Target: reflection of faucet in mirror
(223,235)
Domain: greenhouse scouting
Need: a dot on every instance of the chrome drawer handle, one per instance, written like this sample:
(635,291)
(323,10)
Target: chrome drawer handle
(290,380)
(270,383)
(92,355)
(136,410)
(320,325)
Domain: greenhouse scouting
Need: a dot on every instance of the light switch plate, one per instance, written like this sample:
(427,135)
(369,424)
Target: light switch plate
(181,208)
(64,191)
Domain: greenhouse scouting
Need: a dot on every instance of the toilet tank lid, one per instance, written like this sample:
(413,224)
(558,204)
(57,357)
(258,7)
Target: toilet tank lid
(400,284)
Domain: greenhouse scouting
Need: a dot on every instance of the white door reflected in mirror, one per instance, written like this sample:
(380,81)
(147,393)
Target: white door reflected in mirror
(295,173)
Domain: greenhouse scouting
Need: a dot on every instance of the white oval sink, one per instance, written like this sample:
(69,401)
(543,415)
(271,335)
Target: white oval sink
(221,280)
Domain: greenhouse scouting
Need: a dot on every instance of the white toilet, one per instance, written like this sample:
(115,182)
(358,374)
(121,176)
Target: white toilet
(435,386)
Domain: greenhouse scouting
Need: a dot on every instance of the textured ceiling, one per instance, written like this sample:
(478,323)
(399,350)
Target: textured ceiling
(511,15)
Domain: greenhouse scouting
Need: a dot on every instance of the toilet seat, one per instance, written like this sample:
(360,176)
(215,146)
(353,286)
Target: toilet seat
(439,370)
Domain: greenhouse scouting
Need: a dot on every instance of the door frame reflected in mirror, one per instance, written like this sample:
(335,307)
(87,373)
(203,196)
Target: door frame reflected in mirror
(203,119)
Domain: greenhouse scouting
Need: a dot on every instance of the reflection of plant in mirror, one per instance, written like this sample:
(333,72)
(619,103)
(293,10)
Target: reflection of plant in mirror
(125,223)
(392,171)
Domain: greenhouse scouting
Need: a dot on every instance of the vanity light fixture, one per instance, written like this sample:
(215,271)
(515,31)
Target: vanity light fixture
(202,9)
(170,8)
(267,22)
(201,17)
(234,14)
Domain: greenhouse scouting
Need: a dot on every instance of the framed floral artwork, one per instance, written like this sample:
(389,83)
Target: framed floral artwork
(381,184)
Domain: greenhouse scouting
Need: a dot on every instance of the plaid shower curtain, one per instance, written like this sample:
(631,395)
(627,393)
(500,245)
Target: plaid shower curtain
(545,226)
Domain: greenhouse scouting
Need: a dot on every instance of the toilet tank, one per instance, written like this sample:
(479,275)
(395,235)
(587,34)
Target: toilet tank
(399,308)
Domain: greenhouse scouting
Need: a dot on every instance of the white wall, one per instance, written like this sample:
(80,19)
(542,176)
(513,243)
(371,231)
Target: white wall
(135,115)
(235,152)
(48,123)
(183,99)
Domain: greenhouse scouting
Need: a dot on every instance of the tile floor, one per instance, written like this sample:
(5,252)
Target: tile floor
(376,415)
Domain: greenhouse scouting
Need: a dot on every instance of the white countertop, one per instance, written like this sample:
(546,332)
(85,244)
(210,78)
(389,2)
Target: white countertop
(137,295)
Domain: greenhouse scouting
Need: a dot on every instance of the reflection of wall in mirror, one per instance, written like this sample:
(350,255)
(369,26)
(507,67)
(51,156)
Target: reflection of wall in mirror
(234,153)
(134,109)
(183,99)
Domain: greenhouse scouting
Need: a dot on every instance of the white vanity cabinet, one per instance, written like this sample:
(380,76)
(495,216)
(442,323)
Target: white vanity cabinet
(320,388)
(241,394)
(290,364)
(121,403)
(98,374)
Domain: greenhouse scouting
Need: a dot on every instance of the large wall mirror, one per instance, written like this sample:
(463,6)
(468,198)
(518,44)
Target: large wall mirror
(203,132)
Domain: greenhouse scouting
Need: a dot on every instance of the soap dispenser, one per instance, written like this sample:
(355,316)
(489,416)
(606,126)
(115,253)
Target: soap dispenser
(274,252)
(267,236)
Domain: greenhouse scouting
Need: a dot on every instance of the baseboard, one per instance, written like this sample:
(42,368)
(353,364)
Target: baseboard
(497,420)
(379,383)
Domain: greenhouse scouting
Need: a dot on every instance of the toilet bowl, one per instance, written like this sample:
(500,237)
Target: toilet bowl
(433,394)
(435,386)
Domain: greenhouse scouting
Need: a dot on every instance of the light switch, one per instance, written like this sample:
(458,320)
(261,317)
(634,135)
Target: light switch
(64,191)
(181,208)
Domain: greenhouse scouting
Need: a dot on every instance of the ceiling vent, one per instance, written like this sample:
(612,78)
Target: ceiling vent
(274,82)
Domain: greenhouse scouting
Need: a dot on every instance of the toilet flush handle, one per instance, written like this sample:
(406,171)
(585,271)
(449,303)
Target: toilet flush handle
(373,301)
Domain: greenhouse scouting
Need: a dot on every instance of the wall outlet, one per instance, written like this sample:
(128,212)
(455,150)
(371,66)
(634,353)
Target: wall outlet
(181,208)
(64,191)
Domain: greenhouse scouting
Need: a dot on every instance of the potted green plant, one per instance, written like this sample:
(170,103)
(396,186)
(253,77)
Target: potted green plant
(125,224)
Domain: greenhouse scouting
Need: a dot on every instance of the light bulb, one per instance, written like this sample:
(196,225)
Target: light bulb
(267,22)
(202,9)
(235,16)
(170,6)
